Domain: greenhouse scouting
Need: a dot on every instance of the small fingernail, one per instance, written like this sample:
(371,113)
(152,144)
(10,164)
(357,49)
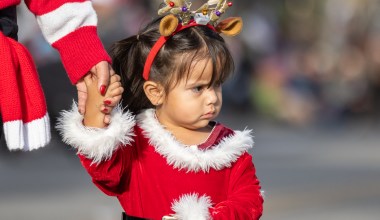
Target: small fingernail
(103,89)
(105,110)
(107,102)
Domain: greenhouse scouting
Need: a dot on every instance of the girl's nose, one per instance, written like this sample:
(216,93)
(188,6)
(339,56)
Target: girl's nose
(212,95)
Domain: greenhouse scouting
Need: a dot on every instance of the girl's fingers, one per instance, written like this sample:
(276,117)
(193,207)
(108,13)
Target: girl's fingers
(116,92)
(107,119)
(112,101)
(114,85)
(112,72)
(115,78)
(106,110)
(88,79)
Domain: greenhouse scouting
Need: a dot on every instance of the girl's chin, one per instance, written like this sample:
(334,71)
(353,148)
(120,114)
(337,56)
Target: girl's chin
(202,124)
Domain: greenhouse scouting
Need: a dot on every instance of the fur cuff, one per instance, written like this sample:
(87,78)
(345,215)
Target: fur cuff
(192,206)
(97,144)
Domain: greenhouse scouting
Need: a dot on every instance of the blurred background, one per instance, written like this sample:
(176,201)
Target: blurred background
(307,82)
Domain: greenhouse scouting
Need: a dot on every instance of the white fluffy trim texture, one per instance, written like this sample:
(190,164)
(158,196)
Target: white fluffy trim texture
(191,158)
(97,144)
(192,207)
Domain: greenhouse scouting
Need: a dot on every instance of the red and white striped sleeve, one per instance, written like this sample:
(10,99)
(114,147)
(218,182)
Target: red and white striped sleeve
(70,26)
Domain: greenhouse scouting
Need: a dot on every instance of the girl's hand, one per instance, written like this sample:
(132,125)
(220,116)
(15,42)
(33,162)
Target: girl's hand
(113,97)
(97,106)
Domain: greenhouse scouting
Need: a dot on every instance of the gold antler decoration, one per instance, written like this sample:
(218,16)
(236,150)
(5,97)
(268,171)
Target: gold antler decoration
(208,13)
(177,7)
(182,9)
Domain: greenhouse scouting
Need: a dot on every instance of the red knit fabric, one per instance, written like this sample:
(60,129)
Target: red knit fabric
(75,46)
(22,103)
(80,48)
(40,7)
(32,97)
(7,3)
(10,104)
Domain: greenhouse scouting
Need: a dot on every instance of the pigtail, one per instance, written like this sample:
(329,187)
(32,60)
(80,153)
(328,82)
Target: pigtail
(128,57)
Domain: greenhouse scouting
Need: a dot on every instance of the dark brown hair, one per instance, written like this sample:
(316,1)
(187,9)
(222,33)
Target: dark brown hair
(189,45)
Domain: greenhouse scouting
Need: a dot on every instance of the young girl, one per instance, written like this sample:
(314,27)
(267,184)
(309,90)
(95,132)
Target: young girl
(166,157)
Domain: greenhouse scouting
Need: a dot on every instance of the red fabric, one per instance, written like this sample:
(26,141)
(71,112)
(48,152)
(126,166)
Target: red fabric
(32,97)
(10,97)
(80,51)
(218,131)
(146,185)
(21,96)
(40,7)
(7,3)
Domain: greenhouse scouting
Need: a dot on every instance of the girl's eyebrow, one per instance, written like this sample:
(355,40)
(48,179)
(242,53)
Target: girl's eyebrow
(198,82)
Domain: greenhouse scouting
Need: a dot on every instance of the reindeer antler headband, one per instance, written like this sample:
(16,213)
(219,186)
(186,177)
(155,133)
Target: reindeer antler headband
(181,17)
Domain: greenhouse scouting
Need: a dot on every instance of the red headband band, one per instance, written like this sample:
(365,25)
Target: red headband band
(161,41)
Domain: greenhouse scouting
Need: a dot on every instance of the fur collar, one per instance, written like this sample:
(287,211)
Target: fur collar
(191,158)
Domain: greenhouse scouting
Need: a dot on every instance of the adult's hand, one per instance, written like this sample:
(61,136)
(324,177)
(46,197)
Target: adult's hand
(102,71)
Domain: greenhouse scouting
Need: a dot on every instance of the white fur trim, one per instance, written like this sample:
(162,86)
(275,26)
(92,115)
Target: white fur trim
(191,207)
(191,158)
(28,136)
(97,144)
(66,19)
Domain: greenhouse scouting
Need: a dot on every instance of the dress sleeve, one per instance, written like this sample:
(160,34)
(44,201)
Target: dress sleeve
(109,174)
(70,26)
(104,152)
(244,196)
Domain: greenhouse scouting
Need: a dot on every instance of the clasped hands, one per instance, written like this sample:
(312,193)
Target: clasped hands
(98,93)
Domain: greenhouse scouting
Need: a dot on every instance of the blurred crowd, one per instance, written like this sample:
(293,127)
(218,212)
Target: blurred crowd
(297,61)
(309,61)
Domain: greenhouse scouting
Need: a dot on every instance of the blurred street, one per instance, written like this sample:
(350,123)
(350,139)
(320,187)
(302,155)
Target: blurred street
(307,82)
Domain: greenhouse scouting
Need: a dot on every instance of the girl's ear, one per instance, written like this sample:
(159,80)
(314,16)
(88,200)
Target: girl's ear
(154,92)
(230,26)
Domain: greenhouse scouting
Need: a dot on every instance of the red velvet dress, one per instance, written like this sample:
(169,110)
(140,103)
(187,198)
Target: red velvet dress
(154,175)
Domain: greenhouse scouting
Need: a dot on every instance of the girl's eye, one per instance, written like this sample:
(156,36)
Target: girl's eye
(197,89)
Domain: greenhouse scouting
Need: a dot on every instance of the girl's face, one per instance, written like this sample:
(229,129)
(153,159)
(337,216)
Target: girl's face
(191,104)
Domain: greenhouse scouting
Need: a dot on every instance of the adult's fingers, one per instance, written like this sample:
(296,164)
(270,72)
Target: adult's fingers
(102,71)
(82,96)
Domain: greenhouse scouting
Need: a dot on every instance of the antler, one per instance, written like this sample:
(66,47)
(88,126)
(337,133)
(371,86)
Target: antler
(231,26)
(174,6)
(209,12)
